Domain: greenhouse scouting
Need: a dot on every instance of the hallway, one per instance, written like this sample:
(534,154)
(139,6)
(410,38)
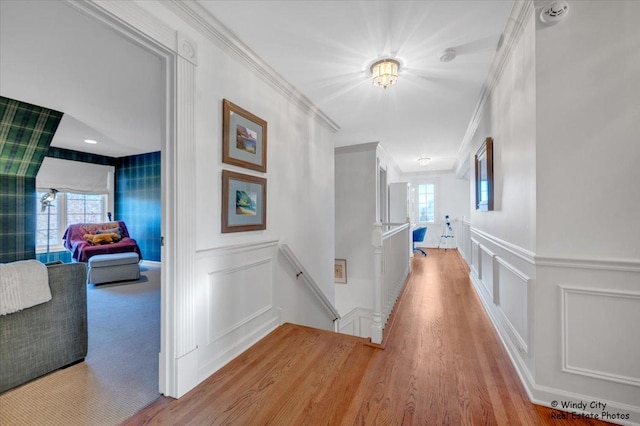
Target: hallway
(443,364)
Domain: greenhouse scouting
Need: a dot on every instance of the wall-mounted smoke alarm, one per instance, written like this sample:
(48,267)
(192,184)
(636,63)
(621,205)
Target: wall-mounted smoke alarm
(554,12)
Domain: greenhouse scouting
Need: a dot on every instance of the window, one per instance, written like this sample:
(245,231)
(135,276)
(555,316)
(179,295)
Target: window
(66,209)
(83,208)
(426,202)
(47,219)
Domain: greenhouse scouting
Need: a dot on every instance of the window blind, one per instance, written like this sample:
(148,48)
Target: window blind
(75,176)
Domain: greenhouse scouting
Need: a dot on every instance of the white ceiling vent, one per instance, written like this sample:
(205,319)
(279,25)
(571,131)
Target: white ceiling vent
(554,12)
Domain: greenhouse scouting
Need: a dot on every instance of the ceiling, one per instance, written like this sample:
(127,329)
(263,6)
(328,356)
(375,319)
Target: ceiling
(52,55)
(324,49)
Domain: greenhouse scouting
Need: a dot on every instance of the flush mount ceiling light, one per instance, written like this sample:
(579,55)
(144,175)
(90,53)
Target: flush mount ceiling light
(90,141)
(384,73)
(423,161)
(554,12)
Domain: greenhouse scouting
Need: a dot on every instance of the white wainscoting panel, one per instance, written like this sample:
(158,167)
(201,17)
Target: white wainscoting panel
(236,306)
(512,298)
(239,295)
(596,339)
(357,322)
(569,339)
(503,280)
(347,326)
(465,241)
(486,271)
(475,257)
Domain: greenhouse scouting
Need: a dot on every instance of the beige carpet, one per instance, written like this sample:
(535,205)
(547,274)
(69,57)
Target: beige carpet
(119,375)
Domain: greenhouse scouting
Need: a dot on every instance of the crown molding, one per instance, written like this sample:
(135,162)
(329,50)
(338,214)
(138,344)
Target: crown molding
(202,20)
(517,19)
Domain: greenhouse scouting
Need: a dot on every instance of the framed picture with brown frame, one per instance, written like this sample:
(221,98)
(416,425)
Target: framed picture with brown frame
(244,202)
(244,138)
(484,176)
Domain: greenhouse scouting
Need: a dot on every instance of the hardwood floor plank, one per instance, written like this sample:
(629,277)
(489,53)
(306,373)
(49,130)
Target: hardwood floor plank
(443,363)
(335,399)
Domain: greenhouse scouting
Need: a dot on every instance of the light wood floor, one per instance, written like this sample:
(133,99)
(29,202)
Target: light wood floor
(443,364)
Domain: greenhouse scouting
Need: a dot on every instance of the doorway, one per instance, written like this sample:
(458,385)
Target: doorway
(57,96)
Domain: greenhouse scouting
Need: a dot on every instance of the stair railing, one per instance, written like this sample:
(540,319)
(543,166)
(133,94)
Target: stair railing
(391,261)
(301,272)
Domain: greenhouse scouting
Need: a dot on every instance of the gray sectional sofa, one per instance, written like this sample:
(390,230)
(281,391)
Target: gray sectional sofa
(46,337)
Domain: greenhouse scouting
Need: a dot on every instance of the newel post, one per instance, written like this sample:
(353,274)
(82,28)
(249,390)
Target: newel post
(376,240)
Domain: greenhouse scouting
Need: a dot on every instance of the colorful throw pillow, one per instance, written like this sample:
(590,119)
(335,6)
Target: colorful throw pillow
(93,228)
(103,239)
(99,239)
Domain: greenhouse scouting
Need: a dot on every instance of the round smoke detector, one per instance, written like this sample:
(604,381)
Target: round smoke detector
(554,12)
(448,55)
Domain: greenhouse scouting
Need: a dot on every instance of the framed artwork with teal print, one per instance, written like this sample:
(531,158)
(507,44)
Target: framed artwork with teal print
(244,202)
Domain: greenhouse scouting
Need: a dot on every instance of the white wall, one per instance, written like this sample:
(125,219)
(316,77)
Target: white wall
(300,187)
(588,234)
(356,205)
(509,117)
(588,124)
(502,241)
(355,214)
(559,285)
(242,288)
(394,174)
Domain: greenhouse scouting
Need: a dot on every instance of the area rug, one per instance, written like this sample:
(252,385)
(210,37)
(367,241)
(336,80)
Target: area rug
(120,373)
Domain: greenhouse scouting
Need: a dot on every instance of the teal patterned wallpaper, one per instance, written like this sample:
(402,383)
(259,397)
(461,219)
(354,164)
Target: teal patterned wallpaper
(138,200)
(26,132)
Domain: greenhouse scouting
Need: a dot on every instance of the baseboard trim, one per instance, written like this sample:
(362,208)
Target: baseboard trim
(521,369)
(543,394)
(213,365)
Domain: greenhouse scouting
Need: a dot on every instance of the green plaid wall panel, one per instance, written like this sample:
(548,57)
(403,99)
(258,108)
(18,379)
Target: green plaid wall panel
(17,218)
(26,132)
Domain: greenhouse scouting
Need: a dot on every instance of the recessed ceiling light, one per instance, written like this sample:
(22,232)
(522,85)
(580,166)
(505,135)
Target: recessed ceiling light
(91,141)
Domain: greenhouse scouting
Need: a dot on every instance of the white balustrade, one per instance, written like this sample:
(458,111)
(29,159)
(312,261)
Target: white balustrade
(391,252)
